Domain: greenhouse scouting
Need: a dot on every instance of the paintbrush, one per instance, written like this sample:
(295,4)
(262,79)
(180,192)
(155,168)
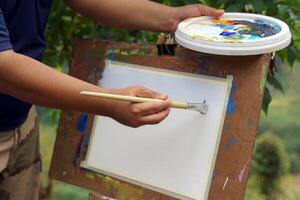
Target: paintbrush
(199,107)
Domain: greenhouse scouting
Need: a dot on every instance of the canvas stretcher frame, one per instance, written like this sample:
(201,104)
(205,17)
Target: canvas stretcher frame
(166,139)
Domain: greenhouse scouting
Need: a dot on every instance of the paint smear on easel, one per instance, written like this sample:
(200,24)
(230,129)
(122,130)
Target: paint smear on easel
(232,31)
(242,172)
(230,107)
(81,127)
(231,141)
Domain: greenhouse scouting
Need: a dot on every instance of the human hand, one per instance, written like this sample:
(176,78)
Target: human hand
(192,10)
(139,114)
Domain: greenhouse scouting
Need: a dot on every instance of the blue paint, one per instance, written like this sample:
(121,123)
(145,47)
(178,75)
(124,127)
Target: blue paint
(225,33)
(225,26)
(203,68)
(81,127)
(230,107)
(82,122)
(77,152)
(111,54)
(231,141)
(86,140)
(100,73)
(204,65)
(227,127)
(253,37)
(83,144)
(231,104)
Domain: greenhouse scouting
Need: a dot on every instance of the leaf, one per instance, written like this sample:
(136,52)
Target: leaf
(271,7)
(235,7)
(258,6)
(292,55)
(266,100)
(275,83)
(283,10)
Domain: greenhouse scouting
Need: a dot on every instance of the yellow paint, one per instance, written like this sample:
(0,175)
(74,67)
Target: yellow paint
(124,53)
(90,176)
(122,191)
(232,41)
(134,52)
(202,37)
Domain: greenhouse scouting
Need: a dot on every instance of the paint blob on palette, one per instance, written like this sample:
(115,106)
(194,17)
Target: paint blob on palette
(234,34)
(232,30)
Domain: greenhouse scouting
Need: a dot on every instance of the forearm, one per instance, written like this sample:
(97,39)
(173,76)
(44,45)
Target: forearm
(130,14)
(34,82)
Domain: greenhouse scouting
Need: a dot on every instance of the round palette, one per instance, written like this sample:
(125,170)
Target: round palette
(234,34)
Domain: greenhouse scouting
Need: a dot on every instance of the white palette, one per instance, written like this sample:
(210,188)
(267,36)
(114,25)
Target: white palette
(175,157)
(206,34)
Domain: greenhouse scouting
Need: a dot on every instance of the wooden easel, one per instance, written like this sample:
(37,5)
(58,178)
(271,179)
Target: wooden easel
(239,131)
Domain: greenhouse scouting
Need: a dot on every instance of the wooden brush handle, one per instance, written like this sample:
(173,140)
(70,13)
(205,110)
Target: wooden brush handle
(174,104)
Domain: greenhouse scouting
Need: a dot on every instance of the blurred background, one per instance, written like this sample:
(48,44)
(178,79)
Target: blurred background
(275,167)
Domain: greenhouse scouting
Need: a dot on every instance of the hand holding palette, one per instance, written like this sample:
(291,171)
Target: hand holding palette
(234,34)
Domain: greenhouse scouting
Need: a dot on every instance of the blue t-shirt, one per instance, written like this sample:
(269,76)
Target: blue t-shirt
(22,25)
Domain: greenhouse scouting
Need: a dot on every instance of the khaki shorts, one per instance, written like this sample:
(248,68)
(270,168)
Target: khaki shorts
(20,162)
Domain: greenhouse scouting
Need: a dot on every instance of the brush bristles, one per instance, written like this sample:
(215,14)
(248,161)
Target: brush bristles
(200,107)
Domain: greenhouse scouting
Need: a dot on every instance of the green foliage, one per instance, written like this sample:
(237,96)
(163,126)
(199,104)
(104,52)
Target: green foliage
(283,120)
(65,25)
(270,163)
(266,100)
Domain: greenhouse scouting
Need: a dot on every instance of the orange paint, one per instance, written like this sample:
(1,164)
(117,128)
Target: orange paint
(224,21)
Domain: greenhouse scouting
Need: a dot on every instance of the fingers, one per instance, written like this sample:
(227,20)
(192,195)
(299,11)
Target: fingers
(150,113)
(155,118)
(143,109)
(139,114)
(196,10)
(208,11)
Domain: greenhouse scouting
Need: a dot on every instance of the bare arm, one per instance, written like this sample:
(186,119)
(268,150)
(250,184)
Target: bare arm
(32,81)
(139,14)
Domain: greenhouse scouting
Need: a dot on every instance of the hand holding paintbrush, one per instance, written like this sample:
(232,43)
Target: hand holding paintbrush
(200,107)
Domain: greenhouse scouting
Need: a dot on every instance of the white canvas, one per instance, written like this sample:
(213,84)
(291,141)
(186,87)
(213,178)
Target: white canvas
(175,157)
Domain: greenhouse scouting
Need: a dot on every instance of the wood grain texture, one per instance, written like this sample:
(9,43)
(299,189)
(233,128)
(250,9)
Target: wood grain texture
(239,131)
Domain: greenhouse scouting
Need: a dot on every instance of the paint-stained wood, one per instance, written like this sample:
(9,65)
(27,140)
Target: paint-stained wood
(239,131)
(95,196)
